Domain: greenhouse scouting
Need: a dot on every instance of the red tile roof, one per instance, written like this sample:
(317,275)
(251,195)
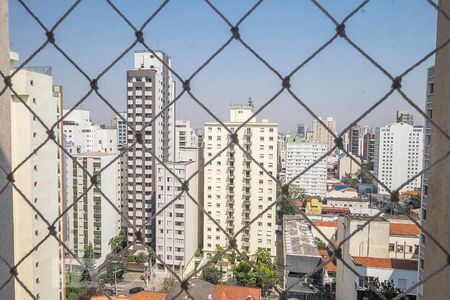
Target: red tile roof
(385,263)
(403,229)
(225,292)
(146,295)
(335,209)
(326,223)
(330,267)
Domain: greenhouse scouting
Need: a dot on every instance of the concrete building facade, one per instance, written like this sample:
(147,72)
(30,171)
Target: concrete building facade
(150,89)
(83,135)
(405,117)
(39,181)
(300,156)
(236,189)
(176,237)
(321,134)
(92,220)
(426,174)
(438,206)
(398,155)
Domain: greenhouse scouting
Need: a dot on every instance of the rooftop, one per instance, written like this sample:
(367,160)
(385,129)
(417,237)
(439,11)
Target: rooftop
(144,295)
(345,199)
(226,292)
(89,154)
(199,289)
(403,229)
(299,239)
(326,223)
(385,263)
(330,266)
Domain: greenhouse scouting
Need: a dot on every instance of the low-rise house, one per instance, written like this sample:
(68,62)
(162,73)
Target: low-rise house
(203,290)
(401,272)
(368,251)
(226,292)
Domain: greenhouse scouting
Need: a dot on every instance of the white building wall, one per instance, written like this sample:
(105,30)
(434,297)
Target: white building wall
(177,226)
(398,155)
(102,219)
(300,156)
(38,180)
(236,189)
(82,135)
(150,89)
(407,277)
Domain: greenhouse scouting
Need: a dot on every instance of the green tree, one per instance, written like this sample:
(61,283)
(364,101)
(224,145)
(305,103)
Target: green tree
(243,272)
(140,258)
(119,242)
(167,284)
(198,252)
(285,206)
(321,244)
(258,270)
(386,288)
(108,276)
(73,284)
(88,265)
(212,273)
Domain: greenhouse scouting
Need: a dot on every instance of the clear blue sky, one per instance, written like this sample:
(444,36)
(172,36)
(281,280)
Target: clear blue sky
(338,83)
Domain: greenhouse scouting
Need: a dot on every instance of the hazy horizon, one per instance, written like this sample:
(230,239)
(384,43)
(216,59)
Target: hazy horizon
(284,34)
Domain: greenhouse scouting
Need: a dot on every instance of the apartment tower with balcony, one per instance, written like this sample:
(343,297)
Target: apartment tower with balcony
(150,90)
(38,178)
(398,156)
(236,189)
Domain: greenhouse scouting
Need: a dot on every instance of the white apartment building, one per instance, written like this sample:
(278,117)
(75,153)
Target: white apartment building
(236,189)
(150,89)
(300,156)
(185,136)
(83,135)
(321,134)
(176,228)
(398,155)
(92,220)
(347,166)
(39,179)
(121,126)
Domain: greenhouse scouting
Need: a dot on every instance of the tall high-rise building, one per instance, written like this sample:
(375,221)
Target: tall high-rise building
(426,174)
(92,220)
(176,234)
(398,155)
(354,140)
(150,89)
(300,156)
(301,130)
(83,135)
(121,126)
(322,135)
(185,136)
(438,191)
(236,189)
(39,180)
(369,146)
(405,117)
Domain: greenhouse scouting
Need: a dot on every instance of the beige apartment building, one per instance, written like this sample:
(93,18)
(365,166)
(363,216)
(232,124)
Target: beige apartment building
(39,180)
(321,134)
(236,189)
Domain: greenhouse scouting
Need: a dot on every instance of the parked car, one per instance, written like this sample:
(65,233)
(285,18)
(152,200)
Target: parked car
(135,290)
